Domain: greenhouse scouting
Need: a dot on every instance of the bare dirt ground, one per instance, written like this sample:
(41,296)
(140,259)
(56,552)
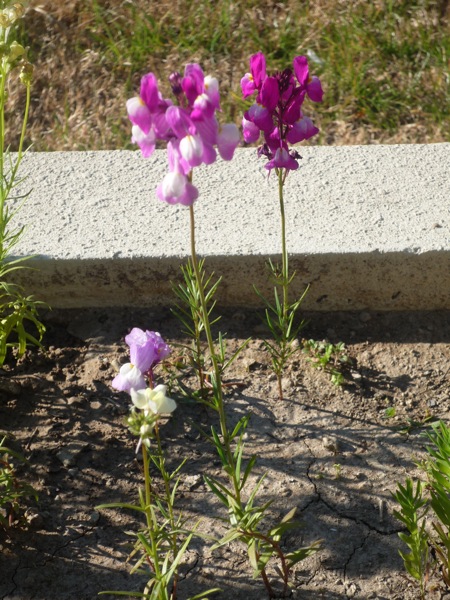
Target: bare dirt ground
(329,451)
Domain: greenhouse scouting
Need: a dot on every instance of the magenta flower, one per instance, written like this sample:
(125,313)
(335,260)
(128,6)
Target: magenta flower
(277,109)
(175,188)
(189,127)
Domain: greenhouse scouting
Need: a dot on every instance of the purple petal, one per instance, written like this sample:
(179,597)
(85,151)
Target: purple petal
(139,114)
(179,121)
(209,154)
(258,68)
(142,349)
(193,82)
(270,93)
(129,377)
(208,130)
(250,131)
(314,89)
(260,116)
(282,160)
(301,130)
(301,69)
(203,108)
(149,91)
(227,140)
(176,189)
(247,85)
(146,143)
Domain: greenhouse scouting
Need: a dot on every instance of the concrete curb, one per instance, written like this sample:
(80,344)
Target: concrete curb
(368,228)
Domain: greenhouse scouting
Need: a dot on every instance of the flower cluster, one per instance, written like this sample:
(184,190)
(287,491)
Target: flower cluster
(277,110)
(189,126)
(147,348)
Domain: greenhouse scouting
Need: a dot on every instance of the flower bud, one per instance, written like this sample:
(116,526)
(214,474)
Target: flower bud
(146,430)
(16,50)
(4,20)
(26,73)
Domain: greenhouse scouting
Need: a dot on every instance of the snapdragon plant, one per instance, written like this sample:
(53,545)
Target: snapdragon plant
(193,137)
(160,546)
(277,114)
(425,512)
(12,490)
(15,308)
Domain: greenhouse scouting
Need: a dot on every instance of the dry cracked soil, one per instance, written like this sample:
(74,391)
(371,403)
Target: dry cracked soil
(330,451)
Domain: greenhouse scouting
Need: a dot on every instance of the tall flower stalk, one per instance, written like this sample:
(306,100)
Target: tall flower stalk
(277,115)
(161,545)
(192,133)
(15,308)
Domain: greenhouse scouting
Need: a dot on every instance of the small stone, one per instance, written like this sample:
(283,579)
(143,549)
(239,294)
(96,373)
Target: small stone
(365,317)
(115,364)
(331,443)
(9,386)
(66,458)
(94,517)
(351,590)
(34,519)
(193,481)
(74,401)
(96,405)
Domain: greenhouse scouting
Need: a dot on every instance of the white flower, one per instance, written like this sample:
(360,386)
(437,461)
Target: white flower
(129,377)
(153,400)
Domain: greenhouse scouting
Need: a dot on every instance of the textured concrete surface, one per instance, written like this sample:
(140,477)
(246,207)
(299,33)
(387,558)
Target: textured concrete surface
(368,227)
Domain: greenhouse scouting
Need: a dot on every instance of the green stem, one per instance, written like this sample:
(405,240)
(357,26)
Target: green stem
(166,477)
(217,383)
(148,511)
(284,254)
(147,483)
(3,75)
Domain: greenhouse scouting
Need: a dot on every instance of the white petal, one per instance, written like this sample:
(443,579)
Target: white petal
(140,398)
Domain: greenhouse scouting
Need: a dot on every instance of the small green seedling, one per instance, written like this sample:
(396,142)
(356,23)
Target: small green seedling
(331,358)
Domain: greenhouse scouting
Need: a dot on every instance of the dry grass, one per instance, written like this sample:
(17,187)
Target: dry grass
(86,67)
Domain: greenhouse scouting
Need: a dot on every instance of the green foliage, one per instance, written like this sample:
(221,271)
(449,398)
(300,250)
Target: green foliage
(282,315)
(411,501)
(12,490)
(246,517)
(331,358)
(161,545)
(189,312)
(16,310)
(425,512)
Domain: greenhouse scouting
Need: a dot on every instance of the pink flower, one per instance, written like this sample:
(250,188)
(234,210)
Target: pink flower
(227,140)
(146,142)
(176,189)
(250,131)
(129,377)
(277,110)
(303,129)
(147,348)
(189,127)
(282,160)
